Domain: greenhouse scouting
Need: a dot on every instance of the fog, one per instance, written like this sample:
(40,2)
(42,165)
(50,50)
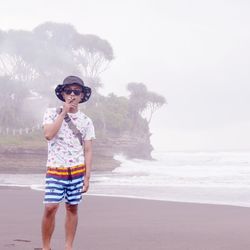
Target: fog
(195,53)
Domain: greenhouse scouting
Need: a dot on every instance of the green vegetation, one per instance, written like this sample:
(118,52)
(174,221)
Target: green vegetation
(33,62)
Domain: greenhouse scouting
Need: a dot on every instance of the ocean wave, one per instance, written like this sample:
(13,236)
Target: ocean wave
(210,177)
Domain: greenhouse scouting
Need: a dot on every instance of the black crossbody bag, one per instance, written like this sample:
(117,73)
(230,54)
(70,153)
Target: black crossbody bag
(71,125)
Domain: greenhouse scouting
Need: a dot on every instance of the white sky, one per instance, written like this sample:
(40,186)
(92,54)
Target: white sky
(195,53)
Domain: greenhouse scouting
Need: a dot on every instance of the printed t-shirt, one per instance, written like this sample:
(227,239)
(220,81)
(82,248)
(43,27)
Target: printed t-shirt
(64,149)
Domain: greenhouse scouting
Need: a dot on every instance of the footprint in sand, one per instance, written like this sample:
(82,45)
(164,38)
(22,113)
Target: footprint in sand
(27,241)
(9,245)
(20,240)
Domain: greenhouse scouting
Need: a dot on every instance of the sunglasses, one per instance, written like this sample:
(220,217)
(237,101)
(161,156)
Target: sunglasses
(75,91)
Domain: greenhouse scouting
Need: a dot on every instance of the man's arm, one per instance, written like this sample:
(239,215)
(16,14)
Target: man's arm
(88,163)
(50,130)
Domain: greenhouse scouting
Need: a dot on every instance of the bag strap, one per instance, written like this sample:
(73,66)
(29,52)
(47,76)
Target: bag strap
(71,125)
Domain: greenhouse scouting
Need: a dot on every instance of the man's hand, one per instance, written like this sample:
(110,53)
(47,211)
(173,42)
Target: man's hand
(86,186)
(69,105)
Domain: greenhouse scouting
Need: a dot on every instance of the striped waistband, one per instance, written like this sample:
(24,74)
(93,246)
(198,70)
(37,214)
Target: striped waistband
(66,173)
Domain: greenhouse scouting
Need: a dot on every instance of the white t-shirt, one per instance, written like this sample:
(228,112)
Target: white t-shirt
(65,150)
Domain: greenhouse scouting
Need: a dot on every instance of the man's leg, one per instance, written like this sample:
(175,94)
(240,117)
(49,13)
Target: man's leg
(70,225)
(48,224)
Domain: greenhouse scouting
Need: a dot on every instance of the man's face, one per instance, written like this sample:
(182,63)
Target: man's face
(72,93)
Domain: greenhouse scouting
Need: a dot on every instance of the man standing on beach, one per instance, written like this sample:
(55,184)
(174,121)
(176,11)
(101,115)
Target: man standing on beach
(69,133)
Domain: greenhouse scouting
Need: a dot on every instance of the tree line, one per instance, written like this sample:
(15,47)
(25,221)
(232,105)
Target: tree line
(33,62)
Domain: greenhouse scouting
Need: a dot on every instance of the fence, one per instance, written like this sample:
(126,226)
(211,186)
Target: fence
(19,131)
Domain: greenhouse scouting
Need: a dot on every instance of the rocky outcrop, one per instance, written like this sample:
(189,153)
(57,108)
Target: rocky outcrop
(28,159)
(132,147)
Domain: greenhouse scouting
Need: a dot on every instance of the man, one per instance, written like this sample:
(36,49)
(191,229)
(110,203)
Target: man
(69,133)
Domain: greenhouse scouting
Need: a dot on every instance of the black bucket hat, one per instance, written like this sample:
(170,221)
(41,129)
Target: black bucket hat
(69,80)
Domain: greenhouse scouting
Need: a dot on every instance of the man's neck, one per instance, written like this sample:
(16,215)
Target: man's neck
(73,110)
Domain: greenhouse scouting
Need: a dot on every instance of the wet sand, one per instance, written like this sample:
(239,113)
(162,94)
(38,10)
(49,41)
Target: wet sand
(108,223)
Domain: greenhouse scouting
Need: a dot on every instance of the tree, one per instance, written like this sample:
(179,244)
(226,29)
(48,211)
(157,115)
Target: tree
(13,55)
(110,114)
(154,102)
(54,56)
(40,59)
(93,56)
(143,104)
(138,96)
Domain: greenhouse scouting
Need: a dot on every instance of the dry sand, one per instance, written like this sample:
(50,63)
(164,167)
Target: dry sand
(107,223)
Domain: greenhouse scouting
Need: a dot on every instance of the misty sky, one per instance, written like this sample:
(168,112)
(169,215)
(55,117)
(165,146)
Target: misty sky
(195,53)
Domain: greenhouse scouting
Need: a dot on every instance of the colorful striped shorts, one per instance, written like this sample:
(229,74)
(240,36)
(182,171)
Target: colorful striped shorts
(64,183)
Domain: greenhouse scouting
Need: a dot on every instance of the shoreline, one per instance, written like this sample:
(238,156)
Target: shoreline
(126,224)
(14,187)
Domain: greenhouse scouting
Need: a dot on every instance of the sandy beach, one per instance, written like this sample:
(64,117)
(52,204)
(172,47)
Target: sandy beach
(108,223)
